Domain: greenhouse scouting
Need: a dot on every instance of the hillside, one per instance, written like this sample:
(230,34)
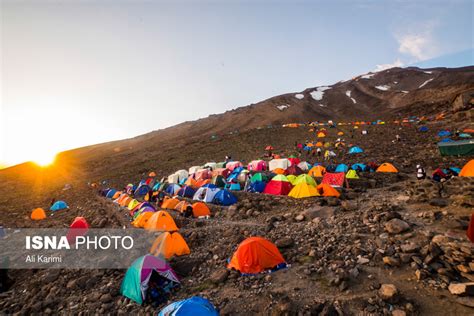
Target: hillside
(342,251)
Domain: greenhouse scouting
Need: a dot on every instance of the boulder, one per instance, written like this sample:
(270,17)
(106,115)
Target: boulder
(462,289)
(388,291)
(396,226)
(219,276)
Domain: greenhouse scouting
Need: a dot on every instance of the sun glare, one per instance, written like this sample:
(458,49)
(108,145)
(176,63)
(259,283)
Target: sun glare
(44,159)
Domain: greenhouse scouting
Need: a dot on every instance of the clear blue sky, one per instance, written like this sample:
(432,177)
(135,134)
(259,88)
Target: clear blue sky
(75,73)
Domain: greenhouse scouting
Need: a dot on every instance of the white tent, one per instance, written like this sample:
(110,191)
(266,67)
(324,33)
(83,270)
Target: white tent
(206,195)
(278,163)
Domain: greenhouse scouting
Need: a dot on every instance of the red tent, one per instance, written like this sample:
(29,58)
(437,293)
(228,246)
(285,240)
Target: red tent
(278,187)
(78,228)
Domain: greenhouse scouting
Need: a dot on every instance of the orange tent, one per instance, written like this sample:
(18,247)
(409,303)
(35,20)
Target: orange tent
(142,219)
(117,195)
(468,130)
(317,171)
(327,190)
(126,201)
(168,245)
(182,206)
(200,209)
(319,144)
(468,169)
(254,255)
(152,174)
(202,182)
(279,171)
(38,214)
(191,182)
(170,203)
(386,167)
(121,198)
(161,221)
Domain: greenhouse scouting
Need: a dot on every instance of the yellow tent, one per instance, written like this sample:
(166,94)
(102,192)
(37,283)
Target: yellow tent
(168,245)
(132,204)
(303,190)
(352,174)
(317,171)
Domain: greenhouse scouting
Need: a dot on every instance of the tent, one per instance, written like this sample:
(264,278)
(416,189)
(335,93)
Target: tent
(358,167)
(321,135)
(293,160)
(190,182)
(38,214)
(170,203)
(194,306)
(294,169)
(279,171)
(59,205)
(423,129)
(340,133)
(304,178)
(233,186)
(200,183)
(224,197)
(259,177)
(279,185)
(255,255)
(161,221)
(224,172)
(143,209)
(78,228)
(141,220)
(355,150)
(218,181)
(269,147)
(342,168)
(135,282)
(446,140)
(231,165)
(111,193)
(257,165)
(132,204)
(327,190)
(317,171)
(142,190)
(457,148)
(334,179)
(167,245)
(464,135)
(291,178)
(444,133)
(256,187)
(126,201)
(186,191)
(203,174)
(172,189)
(303,190)
(278,163)
(305,166)
(200,209)
(352,174)
(181,206)
(193,169)
(152,174)
(210,165)
(468,169)
(386,167)
(204,194)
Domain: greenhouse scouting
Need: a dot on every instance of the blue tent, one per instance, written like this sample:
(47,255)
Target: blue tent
(59,205)
(233,176)
(233,186)
(342,168)
(464,135)
(172,189)
(156,187)
(307,148)
(446,140)
(256,187)
(355,150)
(358,167)
(194,306)
(444,133)
(224,197)
(423,129)
(111,193)
(186,191)
(142,190)
(209,185)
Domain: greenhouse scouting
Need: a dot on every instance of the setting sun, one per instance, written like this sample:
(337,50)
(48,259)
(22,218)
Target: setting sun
(44,159)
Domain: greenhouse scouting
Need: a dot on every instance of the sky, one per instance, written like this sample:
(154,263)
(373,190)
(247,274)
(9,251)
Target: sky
(75,73)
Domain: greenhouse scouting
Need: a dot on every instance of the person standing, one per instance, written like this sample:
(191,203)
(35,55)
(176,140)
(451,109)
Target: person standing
(420,172)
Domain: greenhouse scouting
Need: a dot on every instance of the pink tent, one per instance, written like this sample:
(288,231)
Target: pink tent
(202,174)
(221,172)
(231,165)
(257,165)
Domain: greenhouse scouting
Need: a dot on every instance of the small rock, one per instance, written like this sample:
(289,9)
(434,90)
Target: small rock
(284,242)
(219,276)
(398,312)
(391,261)
(463,289)
(388,291)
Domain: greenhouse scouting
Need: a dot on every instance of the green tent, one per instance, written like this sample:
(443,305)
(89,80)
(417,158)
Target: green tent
(218,181)
(352,174)
(258,177)
(457,148)
(304,178)
(138,275)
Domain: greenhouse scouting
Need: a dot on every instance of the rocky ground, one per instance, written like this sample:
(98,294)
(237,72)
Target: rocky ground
(390,245)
